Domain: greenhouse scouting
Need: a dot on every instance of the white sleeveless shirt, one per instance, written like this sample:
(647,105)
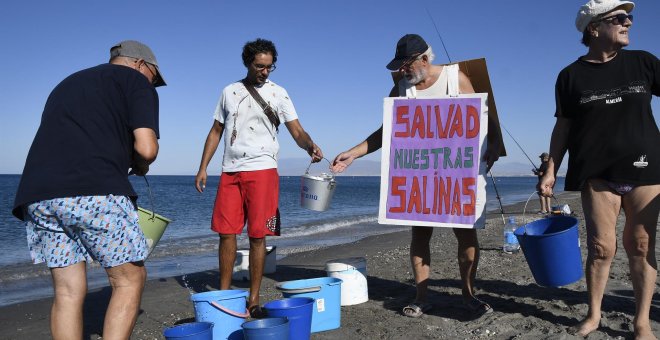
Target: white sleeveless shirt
(446,84)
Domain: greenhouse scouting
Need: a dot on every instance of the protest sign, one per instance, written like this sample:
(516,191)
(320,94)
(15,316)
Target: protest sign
(431,168)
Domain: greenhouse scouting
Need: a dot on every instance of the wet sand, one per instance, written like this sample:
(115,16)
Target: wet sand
(523,309)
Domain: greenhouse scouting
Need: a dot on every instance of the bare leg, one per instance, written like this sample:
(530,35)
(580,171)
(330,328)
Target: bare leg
(127,281)
(546,204)
(226,259)
(542,204)
(70,285)
(420,258)
(257,260)
(468,260)
(641,207)
(601,208)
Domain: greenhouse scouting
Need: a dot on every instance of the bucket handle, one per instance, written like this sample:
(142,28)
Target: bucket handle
(229,311)
(298,290)
(525,208)
(327,160)
(151,199)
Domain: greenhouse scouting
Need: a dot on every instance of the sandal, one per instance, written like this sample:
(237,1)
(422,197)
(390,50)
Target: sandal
(256,312)
(416,309)
(477,307)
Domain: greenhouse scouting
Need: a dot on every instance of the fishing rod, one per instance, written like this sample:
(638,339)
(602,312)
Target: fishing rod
(521,148)
(492,178)
(437,31)
(530,160)
(497,194)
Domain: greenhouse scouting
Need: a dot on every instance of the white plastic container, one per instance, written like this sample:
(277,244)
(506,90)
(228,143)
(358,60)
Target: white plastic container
(242,265)
(353,272)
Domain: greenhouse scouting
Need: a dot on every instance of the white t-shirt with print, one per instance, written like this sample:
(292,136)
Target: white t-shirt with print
(256,146)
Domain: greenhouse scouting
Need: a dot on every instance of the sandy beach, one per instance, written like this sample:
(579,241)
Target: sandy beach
(523,309)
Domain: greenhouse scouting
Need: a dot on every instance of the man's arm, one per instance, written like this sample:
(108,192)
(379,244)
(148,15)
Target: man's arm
(369,145)
(210,146)
(303,140)
(146,150)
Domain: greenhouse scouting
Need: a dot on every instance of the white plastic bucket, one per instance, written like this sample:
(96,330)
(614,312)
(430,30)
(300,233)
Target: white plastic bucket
(353,273)
(242,264)
(316,191)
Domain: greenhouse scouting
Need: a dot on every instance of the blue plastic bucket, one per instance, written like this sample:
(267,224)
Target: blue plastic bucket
(266,329)
(225,308)
(326,291)
(552,250)
(299,312)
(190,331)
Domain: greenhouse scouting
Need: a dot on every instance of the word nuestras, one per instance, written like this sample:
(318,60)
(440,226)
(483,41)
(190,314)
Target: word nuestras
(424,158)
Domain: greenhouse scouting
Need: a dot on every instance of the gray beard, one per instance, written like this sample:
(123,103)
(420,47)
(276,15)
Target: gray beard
(417,77)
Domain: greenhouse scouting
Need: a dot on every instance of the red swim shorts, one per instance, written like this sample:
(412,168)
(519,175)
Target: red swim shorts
(247,196)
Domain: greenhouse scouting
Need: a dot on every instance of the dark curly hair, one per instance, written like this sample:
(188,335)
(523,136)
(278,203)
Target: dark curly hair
(252,48)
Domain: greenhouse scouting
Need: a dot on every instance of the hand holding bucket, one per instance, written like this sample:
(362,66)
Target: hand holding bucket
(316,191)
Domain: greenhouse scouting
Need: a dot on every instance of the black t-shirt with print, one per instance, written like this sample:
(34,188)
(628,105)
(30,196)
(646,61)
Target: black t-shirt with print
(84,144)
(613,134)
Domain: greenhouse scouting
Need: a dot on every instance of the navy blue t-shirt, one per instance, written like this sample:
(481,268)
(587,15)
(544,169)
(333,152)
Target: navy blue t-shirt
(613,134)
(84,145)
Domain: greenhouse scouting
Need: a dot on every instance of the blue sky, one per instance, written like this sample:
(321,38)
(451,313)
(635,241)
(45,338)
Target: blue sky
(332,57)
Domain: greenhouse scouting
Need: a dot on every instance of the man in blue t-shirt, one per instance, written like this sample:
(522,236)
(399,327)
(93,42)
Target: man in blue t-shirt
(74,195)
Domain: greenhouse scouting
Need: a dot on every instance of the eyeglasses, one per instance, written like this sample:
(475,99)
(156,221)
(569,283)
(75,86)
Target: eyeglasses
(409,62)
(154,78)
(617,19)
(261,67)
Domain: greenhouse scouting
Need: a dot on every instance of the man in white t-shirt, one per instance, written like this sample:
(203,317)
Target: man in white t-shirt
(250,110)
(422,79)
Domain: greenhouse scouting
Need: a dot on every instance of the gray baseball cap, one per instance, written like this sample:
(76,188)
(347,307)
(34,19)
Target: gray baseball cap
(136,49)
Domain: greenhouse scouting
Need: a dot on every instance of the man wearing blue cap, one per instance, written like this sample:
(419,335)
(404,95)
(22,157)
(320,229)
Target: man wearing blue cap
(422,79)
(74,194)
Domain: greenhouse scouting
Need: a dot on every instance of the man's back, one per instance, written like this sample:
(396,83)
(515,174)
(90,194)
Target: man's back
(84,144)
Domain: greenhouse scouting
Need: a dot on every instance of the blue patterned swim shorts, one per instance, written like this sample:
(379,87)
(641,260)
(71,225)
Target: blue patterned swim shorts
(65,231)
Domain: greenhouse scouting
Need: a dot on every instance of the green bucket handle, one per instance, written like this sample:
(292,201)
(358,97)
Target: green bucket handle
(151,199)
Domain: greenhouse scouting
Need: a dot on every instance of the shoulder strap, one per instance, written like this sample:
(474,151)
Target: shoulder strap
(452,80)
(272,116)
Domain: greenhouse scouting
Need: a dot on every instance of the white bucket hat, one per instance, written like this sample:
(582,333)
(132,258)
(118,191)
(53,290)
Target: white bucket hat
(594,8)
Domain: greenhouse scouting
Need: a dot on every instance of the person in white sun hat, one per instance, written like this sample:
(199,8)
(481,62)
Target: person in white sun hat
(604,121)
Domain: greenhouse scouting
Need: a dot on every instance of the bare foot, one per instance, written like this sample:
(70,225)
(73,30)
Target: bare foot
(644,333)
(584,328)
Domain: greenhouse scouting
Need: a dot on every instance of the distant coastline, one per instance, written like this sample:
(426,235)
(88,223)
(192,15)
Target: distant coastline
(366,167)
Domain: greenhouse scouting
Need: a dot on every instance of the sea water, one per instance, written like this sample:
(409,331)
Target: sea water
(189,245)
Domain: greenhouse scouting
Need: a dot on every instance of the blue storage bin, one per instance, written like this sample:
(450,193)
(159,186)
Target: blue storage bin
(326,292)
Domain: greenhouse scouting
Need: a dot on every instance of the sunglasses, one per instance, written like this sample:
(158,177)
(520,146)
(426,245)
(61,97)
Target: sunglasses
(617,19)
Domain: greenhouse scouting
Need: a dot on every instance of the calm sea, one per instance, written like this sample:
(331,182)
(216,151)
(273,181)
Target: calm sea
(188,245)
